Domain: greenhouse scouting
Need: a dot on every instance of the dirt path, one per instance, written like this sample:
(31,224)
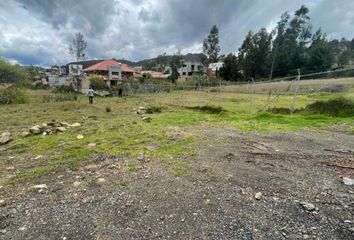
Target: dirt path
(214,198)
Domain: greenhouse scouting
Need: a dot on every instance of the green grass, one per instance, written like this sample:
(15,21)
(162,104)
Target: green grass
(179,169)
(122,132)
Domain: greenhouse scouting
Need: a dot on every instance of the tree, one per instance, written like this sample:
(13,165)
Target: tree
(78,47)
(230,70)
(211,45)
(320,55)
(97,82)
(162,61)
(175,64)
(254,54)
(292,38)
(12,74)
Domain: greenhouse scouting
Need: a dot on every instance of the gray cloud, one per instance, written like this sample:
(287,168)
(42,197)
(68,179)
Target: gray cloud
(39,31)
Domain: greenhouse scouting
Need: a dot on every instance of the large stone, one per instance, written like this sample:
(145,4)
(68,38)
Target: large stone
(146,119)
(101,181)
(5,138)
(308,206)
(348,181)
(35,129)
(25,134)
(65,124)
(258,196)
(61,129)
(76,125)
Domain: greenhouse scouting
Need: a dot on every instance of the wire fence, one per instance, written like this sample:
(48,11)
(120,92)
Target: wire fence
(334,81)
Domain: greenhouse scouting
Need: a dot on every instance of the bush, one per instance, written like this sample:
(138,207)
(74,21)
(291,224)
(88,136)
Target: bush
(97,82)
(108,109)
(39,85)
(339,107)
(64,89)
(59,97)
(14,96)
(208,109)
(12,74)
(153,109)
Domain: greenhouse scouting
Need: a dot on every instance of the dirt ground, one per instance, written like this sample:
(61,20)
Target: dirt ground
(212,197)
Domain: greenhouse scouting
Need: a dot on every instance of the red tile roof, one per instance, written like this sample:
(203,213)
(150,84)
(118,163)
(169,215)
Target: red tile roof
(104,66)
(154,74)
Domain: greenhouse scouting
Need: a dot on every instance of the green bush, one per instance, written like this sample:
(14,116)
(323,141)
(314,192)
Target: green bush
(154,109)
(97,82)
(208,109)
(64,89)
(12,74)
(14,96)
(339,107)
(108,109)
(59,97)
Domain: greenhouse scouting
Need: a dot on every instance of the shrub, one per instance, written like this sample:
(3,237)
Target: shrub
(39,85)
(153,109)
(64,89)
(14,96)
(208,109)
(12,74)
(59,97)
(97,82)
(339,107)
(108,109)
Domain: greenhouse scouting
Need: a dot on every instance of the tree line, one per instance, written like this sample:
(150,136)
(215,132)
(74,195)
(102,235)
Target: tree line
(290,46)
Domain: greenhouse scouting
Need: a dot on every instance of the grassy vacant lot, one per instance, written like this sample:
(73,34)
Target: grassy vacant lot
(192,172)
(121,131)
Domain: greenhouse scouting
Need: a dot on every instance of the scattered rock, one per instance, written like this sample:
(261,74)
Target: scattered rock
(80,136)
(2,202)
(61,129)
(101,181)
(146,119)
(308,206)
(258,196)
(65,124)
(40,186)
(348,181)
(38,157)
(76,125)
(35,129)
(10,168)
(25,134)
(91,144)
(5,138)
(77,183)
(305,236)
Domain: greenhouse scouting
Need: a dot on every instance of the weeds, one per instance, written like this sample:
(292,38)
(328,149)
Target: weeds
(108,109)
(208,109)
(339,107)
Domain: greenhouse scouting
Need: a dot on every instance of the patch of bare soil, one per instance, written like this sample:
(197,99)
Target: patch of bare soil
(299,176)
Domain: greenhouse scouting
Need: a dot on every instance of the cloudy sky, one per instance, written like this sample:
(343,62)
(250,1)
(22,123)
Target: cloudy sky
(39,31)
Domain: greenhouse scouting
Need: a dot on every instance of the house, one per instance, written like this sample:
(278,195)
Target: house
(192,64)
(112,71)
(76,68)
(156,75)
(213,68)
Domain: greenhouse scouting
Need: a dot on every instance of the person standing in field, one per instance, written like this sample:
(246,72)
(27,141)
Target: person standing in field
(90,94)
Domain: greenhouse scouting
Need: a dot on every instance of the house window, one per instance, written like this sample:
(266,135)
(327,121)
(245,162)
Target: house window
(192,68)
(190,73)
(184,73)
(184,65)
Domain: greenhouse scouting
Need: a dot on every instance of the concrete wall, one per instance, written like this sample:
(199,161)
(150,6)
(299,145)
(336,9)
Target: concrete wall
(190,67)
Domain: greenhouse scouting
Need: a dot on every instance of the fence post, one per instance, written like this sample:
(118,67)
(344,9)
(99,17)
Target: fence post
(295,93)
(251,97)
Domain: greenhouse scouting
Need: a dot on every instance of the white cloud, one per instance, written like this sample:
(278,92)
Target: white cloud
(39,31)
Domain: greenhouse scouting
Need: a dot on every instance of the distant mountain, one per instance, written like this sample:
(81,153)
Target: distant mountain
(146,63)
